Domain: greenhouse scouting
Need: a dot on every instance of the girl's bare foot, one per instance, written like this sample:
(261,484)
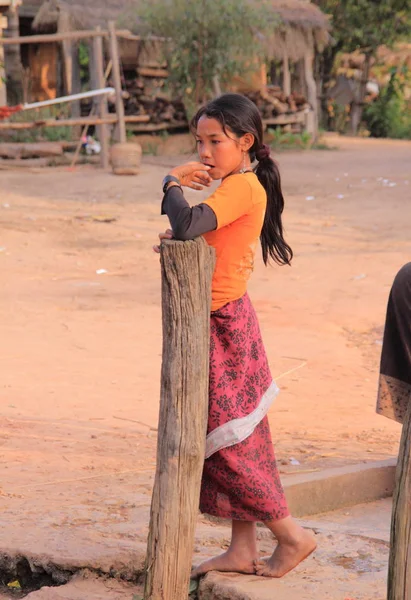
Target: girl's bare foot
(287,555)
(241,557)
(230,561)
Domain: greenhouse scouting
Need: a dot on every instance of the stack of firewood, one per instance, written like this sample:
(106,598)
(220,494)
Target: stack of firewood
(146,96)
(274,102)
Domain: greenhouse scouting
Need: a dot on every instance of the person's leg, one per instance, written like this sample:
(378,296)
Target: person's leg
(240,557)
(294,545)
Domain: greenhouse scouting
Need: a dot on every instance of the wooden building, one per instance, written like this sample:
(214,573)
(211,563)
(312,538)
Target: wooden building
(60,16)
(299,30)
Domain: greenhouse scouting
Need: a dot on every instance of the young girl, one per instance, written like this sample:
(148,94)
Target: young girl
(240,478)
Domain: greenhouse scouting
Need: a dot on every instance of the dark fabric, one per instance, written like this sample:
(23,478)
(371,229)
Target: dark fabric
(241,481)
(395,370)
(187,223)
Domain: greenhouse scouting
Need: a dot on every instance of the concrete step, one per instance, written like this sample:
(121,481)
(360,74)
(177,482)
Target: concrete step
(351,562)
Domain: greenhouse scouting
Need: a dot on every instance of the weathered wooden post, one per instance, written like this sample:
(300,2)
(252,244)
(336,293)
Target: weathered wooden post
(187,269)
(114,55)
(101,102)
(399,572)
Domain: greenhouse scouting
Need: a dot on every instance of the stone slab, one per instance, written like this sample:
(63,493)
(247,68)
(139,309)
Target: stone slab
(331,489)
(85,587)
(351,562)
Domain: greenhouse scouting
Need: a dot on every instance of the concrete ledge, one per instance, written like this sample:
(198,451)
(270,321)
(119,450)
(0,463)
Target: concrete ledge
(331,489)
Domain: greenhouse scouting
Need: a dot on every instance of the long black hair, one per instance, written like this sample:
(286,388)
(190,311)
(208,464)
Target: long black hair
(240,115)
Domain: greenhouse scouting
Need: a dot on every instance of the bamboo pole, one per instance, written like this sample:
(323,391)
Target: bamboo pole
(121,125)
(86,127)
(187,269)
(70,98)
(399,572)
(102,106)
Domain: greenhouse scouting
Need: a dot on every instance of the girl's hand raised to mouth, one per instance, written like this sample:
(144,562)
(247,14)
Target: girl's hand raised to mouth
(193,175)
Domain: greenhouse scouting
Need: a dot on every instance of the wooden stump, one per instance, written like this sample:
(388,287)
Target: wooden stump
(187,269)
(399,572)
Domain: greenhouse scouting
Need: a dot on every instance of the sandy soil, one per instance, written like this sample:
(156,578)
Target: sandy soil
(80,351)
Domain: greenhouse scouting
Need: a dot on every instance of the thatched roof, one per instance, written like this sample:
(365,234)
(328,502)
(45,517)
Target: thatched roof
(303,27)
(29,8)
(300,13)
(85,14)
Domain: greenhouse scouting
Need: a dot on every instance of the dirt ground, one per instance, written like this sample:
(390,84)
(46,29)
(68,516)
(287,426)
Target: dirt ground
(81,349)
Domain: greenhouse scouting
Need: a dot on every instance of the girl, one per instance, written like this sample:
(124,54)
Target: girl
(240,478)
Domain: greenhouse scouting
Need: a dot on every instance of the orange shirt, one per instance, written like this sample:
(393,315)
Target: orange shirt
(239,204)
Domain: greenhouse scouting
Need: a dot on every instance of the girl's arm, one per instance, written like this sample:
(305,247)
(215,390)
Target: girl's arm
(187,223)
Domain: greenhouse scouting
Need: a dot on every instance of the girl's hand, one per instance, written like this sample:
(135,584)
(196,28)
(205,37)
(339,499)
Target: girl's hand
(193,175)
(167,235)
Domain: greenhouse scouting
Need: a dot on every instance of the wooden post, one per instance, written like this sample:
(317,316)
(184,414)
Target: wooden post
(13,66)
(286,75)
(399,572)
(3,91)
(312,117)
(121,128)
(103,132)
(187,269)
(76,81)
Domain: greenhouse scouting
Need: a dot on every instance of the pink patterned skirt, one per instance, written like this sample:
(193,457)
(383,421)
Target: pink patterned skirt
(240,477)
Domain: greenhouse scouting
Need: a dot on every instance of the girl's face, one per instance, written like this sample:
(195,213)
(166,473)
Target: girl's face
(225,154)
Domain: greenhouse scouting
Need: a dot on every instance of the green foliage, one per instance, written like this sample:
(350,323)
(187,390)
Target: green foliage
(206,39)
(84,61)
(366,24)
(279,140)
(389,115)
(363,25)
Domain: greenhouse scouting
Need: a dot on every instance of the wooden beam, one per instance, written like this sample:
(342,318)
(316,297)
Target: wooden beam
(153,127)
(58,37)
(187,269)
(114,55)
(153,72)
(287,119)
(109,119)
(399,572)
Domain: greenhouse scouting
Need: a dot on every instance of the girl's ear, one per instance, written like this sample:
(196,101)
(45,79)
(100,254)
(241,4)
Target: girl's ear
(246,142)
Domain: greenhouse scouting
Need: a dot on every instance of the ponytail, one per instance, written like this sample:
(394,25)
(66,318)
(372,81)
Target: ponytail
(240,115)
(272,241)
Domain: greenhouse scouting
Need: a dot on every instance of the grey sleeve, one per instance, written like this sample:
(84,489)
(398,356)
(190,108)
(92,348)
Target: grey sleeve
(186,222)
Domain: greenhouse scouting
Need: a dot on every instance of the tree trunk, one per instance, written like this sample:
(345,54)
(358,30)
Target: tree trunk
(399,573)
(187,269)
(13,66)
(326,65)
(358,104)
